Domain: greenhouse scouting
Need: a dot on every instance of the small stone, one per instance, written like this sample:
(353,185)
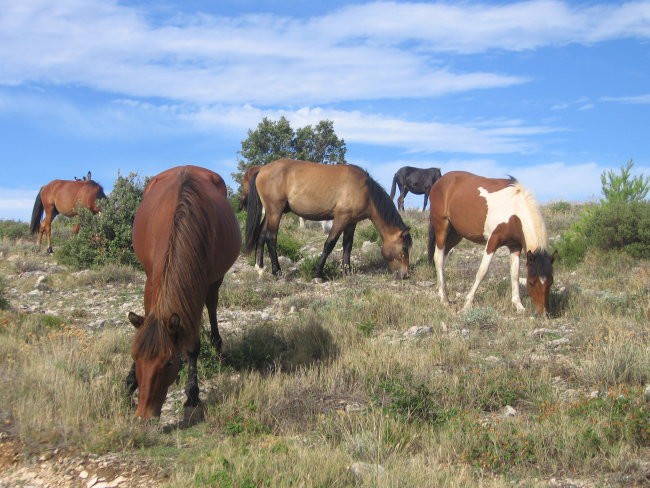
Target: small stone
(418,331)
(508,411)
(594,394)
(92,482)
(559,342)
(83,475)
(646,392)
(118,481)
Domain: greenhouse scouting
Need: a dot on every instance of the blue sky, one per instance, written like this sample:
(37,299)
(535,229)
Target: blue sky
(551,92)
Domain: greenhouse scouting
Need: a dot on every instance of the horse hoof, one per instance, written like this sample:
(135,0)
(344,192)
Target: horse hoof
(50,250)
(193,415)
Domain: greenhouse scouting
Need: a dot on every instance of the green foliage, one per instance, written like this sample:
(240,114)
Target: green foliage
(331,270)
(368,233)
(289,247)
(571,247)
(12,229)
(106,238)
(559,207)
(620,225)
(624,188)
(4,301)
(276,140)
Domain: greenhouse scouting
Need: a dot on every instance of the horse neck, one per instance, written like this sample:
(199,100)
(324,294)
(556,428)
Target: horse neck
(380,223)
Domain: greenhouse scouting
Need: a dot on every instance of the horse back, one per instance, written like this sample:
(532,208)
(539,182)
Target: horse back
(66,195)
(153,224)
(458,197)
(312,190)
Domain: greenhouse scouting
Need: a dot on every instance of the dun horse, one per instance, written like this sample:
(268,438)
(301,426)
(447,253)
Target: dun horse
(344,193)
(63,197)
(494,212)
(186,236)
(416,180)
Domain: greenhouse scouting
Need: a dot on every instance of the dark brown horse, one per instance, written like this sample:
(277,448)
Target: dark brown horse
(186,236)
(63,197)
(494,212)
(416,180)
(344,193)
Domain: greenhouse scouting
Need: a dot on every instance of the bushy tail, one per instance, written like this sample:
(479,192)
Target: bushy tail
(254,211)
(431,248)
(37,214)
(392,188)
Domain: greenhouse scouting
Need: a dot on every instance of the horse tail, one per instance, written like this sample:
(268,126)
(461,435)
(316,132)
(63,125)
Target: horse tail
(37,213)
(254,212)
(392,188)
(431,247)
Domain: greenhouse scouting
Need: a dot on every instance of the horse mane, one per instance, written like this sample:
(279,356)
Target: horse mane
(530,215)
(540,264)
(385,206)
(183,277)
(100,188)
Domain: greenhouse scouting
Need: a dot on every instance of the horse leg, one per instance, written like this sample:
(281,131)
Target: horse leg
(403,191)
(514,279)
(211,301)
(192,386)
(348,236)
(330,242)
(47,223)
(259,249)
(271,238)
(75,229)
(131,380)
(426,198)
(480,274)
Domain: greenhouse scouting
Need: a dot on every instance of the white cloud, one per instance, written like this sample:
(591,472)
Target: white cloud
(16,204)
(354,53)
(637,99)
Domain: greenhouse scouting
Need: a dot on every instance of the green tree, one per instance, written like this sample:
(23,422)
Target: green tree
(273,140)
(623,187)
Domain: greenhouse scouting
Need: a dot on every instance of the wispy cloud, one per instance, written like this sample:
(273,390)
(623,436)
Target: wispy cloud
(636,99)
(354,53)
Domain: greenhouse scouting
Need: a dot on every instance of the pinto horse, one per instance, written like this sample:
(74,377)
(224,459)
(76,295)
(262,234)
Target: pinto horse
(416,180)
(494,212)
(63,197)
(186,236)
(344,193)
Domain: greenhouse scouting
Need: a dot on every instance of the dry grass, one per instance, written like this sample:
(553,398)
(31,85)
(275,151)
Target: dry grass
(328,378)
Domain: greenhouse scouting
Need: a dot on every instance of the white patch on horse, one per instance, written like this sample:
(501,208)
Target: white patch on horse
(515,200)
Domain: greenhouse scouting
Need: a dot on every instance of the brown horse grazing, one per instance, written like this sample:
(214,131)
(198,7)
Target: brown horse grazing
(63,197)
(186,236)
(245,182)
(494,212)
(344,193)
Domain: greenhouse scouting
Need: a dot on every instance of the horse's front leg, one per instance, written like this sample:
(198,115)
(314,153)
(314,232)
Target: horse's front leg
(131,382)
(330,242)
(514,280)
(426,198)
(192,386)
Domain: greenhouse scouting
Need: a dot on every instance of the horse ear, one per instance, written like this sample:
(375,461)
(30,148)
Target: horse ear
(174,326)
(136,320)
(88,176)
(529,258)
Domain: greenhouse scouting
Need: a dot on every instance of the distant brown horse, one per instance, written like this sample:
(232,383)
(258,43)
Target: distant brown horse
(494,212)
(344,193)
(186,236)
(63,197)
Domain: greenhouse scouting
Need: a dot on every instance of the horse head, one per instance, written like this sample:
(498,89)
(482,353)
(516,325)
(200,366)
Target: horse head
(157,361)
(540,278)
(395,250)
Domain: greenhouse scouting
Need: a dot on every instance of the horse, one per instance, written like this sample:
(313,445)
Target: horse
(186,236)
(63,197)
(416,180)
(494,212)
(344,193)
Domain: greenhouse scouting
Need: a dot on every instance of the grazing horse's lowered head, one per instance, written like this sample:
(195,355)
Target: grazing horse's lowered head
(539,266)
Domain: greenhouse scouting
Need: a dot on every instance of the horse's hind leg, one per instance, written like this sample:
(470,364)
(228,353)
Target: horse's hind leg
(271,238)
(480,274)
(426,198)
(348,236)
(403,191)
(211,301)
(46,227)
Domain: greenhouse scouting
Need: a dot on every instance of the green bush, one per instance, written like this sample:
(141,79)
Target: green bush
(106,238)
(620,225)
(12,229)
(289,247)
(4,301)
(367,233)
(331,270)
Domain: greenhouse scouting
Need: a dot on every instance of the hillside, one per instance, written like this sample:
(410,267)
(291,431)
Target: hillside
(358,381)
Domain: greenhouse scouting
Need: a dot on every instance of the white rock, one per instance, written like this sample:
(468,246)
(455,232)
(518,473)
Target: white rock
(508,411)
(418,331)
(365,470)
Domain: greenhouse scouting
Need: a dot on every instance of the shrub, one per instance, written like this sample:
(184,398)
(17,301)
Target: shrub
(368,233)
(331,270)
(620,225)
(12,229)
(289,247)
(4,301)
(106,238)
